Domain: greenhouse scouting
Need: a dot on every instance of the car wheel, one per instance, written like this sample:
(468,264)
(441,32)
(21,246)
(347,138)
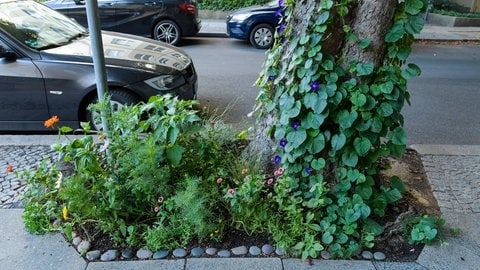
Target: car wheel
(262,36)
(118,99)
(167,31)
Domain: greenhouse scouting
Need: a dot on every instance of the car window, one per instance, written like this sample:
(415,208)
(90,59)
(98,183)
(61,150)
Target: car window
(36,25)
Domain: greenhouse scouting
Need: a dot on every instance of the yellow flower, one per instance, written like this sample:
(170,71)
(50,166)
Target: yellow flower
(65,212)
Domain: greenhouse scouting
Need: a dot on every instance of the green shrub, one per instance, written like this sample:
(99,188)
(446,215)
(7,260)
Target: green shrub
(228,4)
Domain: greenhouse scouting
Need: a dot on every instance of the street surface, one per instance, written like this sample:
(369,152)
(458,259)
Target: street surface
(445,99)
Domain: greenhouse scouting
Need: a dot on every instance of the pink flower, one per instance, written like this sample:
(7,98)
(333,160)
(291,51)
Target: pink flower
(230,191)
(160,199)
(244,171)
(9,169)
(156,209)
(219,180)
(279,171)
(270,181)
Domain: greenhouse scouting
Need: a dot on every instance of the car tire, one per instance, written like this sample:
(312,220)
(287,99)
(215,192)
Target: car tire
(262,36)
(118,98)
(167,31)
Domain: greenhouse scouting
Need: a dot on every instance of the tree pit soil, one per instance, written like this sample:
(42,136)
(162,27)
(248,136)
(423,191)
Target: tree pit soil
(417,201)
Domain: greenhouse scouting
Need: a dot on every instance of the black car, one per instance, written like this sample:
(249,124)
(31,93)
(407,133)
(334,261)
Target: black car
(164,20)
(255,24)
(46,68)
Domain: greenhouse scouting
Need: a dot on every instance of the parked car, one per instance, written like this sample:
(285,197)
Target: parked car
(255,24)
(164,20)
(46,68)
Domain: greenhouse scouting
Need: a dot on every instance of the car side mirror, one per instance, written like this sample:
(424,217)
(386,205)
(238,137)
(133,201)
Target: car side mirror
(4,53)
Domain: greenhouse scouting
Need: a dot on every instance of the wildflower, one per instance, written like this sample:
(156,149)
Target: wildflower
(281,28)
(308,171)
(314,86)
(105,145)
(279,12)
(160,199)
(279,171)
(277,160)
(244,171)
(280,2)
(50,123)
(283,142)
(156,209)
(271,77)
(102,136)
(270,181)
(295,124)
(230,191)
(65,212)
(219,180)
(9,169)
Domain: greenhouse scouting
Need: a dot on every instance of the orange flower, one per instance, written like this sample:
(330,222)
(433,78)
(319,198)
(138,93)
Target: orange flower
(9,169)
(50,123)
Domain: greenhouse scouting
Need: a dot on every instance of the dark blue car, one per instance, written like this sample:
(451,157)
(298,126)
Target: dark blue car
(255,24)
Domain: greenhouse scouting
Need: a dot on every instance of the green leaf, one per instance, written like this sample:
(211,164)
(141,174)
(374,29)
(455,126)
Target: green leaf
(364,43)
(386,87)
(304,39)
(65,129)
(315,120)
(364,69)
(385,109)
(365,191)
(397,183)
(395,33)
(362,146)
(350,159)
(358,99)
(310,100)
(338,141)
(399,136)
(393,195)
(174,154)
(294,111)
(318,144)
(327,238)
(413,7)
(286,102)
(297,137)
(327,65)
(322,18)
(372,226)
(327,4)
(352,215)
(411,71)
(414,24)
(318,164)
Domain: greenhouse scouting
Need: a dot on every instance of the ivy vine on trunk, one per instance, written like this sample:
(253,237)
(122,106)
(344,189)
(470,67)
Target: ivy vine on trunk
(332,90)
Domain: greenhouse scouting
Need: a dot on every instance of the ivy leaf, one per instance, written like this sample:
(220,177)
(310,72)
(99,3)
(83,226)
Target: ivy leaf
(310,100)
(358,99)
(414,24)
(297,137)
(399,136)
(295,110)
(386,87)
(318,164)
(352,215)
(338,141)
(350,159)
(385,109)
(395,33)
(413,7)
(411,71)
(362,146)
(364,43)
(364,69)
(315,120)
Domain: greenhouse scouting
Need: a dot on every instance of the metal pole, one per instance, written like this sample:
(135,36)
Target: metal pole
(93,20)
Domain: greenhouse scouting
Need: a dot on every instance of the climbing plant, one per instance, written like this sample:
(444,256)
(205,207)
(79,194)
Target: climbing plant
(334,116)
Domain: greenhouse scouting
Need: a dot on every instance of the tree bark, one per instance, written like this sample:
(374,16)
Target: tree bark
(367,19)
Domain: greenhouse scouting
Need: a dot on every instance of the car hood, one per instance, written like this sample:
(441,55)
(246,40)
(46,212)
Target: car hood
(256,9)
(126,50)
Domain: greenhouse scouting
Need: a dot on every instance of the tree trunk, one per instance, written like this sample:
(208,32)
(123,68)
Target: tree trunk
(367,19)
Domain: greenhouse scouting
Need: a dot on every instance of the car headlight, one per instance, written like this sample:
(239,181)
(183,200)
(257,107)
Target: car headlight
(240,17)
(166,82)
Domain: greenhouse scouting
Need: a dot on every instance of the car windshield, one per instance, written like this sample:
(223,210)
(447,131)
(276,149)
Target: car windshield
(38,26)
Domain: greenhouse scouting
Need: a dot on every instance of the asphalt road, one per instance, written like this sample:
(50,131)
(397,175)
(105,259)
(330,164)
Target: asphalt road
(445,99)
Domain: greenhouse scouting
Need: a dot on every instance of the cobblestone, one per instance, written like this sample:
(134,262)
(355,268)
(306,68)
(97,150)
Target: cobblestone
(455,182)
(21,158)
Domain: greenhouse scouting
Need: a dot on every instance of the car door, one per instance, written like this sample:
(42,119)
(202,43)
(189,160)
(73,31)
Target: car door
(22,92)
(137,16)
(76,9)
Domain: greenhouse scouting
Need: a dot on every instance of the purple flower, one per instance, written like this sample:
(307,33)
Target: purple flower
(314,86)
(281,28)
(308,171)
(271,77)
(295,124)
(277,160)
(280,2)
(283,142)
(279,12)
